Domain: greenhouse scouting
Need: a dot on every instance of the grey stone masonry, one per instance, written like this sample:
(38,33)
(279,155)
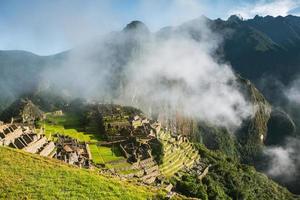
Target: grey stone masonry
(48,148)
(88,151)
(10,134)
(35,146)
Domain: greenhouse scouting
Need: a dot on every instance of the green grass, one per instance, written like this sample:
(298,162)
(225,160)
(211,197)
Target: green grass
(71,125)
(118,166)
(130,171)
(103,154)
(29,176)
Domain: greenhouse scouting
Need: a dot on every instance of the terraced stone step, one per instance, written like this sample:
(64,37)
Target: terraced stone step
(176,167)
(185,162)
(35,146)
(178,164)
(185,145)
(152,169)
(48,148)
(177,158)
(148,165)
(172,152)
(148,160)
(172,157)
(145,164)
(188,150)
(150,180)
(164,136)
(176,155)
(153,174)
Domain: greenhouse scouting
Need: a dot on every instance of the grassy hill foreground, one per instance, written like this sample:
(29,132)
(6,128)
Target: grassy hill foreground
(29,176)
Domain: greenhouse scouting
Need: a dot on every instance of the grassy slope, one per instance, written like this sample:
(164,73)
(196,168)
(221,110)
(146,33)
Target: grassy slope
(29,176)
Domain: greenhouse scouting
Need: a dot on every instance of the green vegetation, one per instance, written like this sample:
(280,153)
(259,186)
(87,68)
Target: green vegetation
(157,150)
(216,138)
(228,179)
(71,124)
(103,155)
(29,176)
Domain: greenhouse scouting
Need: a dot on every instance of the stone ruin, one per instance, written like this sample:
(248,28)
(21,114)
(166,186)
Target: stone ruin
(145,170)
(135,151)
(179,154)
(65,148)
(23,137)
(125,128)
(135,146)
(133,135)
(143,128)
(58,113)
(199,168)
(73,152)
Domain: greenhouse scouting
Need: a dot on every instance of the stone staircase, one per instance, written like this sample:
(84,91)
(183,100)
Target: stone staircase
(145,170)
(179,154)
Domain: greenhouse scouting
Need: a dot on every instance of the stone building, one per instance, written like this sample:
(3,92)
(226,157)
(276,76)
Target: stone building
(73,152)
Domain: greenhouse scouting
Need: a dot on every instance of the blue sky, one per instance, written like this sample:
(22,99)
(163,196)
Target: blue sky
(50,26)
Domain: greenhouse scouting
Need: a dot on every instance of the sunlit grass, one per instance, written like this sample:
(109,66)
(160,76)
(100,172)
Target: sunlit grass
(103,154)
(29,176)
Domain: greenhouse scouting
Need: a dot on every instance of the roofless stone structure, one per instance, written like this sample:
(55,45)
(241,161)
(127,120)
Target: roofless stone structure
(23,137)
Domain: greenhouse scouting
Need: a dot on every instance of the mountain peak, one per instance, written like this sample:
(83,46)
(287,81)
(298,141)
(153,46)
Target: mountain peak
(235,18)
(258,17)
(137,26)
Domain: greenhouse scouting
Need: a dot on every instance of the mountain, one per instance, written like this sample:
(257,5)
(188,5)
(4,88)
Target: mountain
(21,73)
(257,48)
(264,50)
(22,110)
(262,46)
(253,48)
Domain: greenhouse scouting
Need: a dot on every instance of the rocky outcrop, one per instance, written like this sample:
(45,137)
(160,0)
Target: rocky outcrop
(280,125)
(22,110)
(252,134)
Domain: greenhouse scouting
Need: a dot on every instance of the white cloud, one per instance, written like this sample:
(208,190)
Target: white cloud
(174,74)
(293,92)
(281,161)
(285,160)
(265,7)
(181,73)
